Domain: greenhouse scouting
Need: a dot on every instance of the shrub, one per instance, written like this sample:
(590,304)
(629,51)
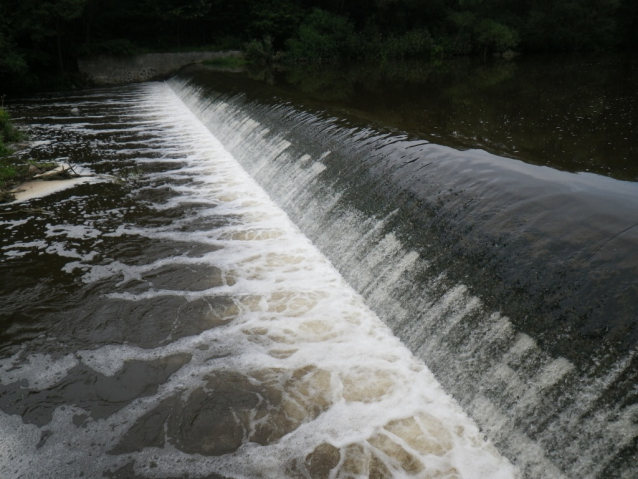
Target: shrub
(8,132)
(412,44)
(3,150)
(322,36)
(495,36)
(480,34)
(7,173)
(11,62)
(261,51)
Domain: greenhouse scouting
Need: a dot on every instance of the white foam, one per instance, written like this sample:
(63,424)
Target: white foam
(73,231)
(10,224)
(18,249)
(39,370)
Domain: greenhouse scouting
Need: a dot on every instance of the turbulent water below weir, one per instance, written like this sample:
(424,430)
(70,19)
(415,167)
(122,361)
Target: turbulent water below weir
(514,283)
(169,320)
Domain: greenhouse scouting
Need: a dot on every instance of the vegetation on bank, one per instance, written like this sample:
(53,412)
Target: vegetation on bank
(40,39)
(8,133)
(14,170)
(11,170)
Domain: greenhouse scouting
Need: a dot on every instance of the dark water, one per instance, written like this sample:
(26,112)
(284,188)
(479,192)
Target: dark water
(573,114)
(172,319)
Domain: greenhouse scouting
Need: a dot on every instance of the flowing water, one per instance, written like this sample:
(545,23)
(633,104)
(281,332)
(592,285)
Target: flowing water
(175,323)
(260,284)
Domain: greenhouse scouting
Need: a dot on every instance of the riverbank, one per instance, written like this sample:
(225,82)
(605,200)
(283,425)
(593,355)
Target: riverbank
(116,70)
(20,176)
(28,179)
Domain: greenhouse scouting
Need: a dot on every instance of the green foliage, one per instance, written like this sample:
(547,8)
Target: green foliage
(67,9)
(322,36)
(327,36)
(9,169)
(11,61)
(8,132)
(178,9)
(481,34)
(276,19)
(410,45)
(4,150)
(261,52)
(495,36)
(39,39)
(575,25)
(7,173)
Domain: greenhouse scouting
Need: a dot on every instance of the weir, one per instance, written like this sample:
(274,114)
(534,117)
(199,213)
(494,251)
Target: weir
(514,283)
(169,320)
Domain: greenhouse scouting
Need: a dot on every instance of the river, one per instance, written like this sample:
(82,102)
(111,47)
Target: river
(416,271)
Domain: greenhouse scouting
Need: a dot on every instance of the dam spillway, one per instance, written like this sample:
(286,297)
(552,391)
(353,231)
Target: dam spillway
(195,319)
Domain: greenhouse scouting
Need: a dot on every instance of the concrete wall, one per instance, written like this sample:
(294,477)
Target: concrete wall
(115,70)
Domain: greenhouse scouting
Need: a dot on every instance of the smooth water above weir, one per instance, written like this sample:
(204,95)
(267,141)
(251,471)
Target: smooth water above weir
(170,321)
(576,114)
(515,283)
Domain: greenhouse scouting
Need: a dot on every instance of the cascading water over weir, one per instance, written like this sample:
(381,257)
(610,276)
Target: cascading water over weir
(516,284)
(230,305)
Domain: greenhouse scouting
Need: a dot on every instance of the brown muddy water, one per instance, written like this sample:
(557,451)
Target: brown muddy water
(329,274)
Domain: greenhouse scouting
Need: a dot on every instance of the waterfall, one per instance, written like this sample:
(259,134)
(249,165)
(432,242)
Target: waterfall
(514,283)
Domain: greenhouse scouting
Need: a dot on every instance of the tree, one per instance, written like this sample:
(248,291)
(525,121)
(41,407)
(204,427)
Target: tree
(572,25)
(322,36)
(33,22)
(494,36)
(11,61)
(175,12)
(278,19)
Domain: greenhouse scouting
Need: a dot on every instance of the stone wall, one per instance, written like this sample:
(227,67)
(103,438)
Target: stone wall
(115,70)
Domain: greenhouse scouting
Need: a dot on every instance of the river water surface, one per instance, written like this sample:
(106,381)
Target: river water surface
(332,275)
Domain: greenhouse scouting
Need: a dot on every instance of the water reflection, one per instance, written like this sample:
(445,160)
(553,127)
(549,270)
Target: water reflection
(569,113)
